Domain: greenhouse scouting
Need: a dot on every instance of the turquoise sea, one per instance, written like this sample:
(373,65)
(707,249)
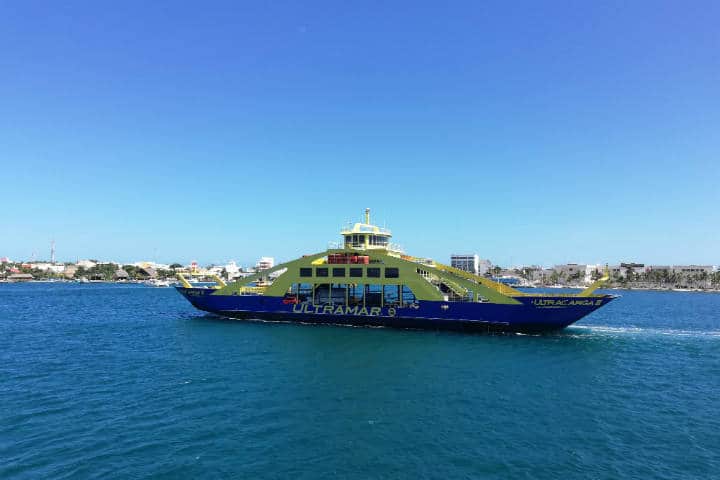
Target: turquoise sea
(123,381)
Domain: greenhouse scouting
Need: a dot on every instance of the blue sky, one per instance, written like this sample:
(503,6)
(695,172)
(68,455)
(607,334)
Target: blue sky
(533,132)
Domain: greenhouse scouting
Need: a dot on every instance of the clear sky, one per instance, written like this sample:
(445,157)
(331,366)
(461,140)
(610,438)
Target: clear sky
(528,132)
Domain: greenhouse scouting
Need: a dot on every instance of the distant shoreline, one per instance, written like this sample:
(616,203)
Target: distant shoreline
(651,289)
(549,287)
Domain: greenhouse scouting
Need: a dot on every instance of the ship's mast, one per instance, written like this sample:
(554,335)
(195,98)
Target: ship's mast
(367,216)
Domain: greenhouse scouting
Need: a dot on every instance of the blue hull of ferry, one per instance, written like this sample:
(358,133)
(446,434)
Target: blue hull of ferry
(535,314)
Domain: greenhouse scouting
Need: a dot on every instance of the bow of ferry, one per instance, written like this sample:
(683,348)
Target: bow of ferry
(367,281)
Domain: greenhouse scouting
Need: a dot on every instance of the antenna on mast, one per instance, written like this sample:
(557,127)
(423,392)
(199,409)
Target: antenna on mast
(367,216)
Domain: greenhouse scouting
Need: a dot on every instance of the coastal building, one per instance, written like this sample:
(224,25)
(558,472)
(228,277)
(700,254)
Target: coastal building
(692,269)
(69,271)
(86,264)
(47,267)
(544,275)
(215,269)
(592,271)
(631,269)
(534,274)
(232,270)
(574,271)
(57,268)
(628,270)
(265,263)
(42,266)
(658,268)
(484,266)
(153,265)
(20,277)
(467,262)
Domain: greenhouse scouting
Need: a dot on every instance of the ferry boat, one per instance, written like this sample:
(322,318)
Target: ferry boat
(368,281)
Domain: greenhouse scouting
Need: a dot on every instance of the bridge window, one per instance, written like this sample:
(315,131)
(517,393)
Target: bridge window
(306,272)
(378,240)
(355,272)
(338,272)
(321,272)
(373,272)
(392,272)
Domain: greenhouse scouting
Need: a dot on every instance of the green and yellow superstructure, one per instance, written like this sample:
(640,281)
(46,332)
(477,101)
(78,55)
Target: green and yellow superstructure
(368,281)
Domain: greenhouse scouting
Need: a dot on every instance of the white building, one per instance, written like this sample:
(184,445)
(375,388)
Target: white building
(86,264)
(232,270)
(624,270)
(571,270)
(215,269)
(692,269)
(484,266)
(466,261)
(659,268)
(48,267)
(42,266)
(57,268)
(153,265)
(592,269)
(265,263)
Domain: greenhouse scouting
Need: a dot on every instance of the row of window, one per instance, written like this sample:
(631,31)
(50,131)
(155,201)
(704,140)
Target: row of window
(372,239)
(355,272)
(370,295)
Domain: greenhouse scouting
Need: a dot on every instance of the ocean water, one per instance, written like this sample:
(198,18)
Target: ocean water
(123,381)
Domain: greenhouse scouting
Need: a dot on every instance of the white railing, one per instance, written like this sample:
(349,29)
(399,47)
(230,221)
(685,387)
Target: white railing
(364,229)
(395,247)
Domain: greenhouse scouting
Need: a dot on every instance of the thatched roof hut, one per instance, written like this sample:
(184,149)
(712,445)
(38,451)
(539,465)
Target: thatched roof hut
(121,274)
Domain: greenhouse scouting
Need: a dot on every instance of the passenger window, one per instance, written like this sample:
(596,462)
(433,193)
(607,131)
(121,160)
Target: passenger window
(392,272)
